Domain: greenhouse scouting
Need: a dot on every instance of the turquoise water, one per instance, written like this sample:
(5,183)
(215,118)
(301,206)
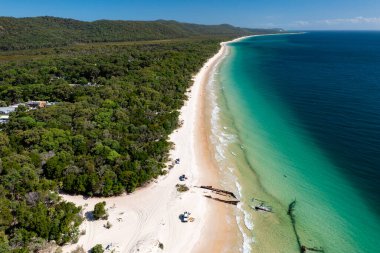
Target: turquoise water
(295,108)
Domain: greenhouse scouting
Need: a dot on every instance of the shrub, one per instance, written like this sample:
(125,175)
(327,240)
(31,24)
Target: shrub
(182,188)
(79,249)
(108,225)
(98,248)
(100,210)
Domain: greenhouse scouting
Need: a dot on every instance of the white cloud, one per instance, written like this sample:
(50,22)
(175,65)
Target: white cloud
(356,20)
(340,22)
(301,23)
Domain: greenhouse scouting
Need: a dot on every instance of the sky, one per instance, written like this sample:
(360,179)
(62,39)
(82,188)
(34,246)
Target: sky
(287,14)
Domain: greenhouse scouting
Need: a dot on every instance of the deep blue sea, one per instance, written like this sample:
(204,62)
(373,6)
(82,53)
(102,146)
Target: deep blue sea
(306,109)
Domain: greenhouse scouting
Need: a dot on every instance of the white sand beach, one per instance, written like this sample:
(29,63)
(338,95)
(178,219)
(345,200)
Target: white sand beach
(150,215)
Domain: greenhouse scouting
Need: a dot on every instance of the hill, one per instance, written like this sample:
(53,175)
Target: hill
(41,32)
(116,103)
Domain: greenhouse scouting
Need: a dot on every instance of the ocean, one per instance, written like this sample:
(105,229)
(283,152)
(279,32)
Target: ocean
(296,117)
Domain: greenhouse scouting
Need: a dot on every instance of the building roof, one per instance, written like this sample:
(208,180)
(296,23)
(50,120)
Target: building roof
(7,110)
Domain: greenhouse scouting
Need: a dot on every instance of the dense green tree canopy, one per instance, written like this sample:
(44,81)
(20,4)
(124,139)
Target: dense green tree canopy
(108,133)
(39,32)
(117,106)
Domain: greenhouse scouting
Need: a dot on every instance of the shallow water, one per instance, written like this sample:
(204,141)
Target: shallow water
(303,113)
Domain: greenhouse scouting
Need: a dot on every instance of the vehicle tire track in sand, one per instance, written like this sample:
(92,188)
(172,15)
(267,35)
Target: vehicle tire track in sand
(136,233)
(146,217)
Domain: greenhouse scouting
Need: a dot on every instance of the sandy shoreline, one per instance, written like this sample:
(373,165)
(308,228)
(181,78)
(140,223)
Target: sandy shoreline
(149,216)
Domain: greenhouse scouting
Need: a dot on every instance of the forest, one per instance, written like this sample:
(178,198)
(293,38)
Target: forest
(41,32)
(107,133)
(115,103)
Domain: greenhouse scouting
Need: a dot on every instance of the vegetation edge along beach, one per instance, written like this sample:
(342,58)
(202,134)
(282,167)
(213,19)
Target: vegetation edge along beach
(103,130)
